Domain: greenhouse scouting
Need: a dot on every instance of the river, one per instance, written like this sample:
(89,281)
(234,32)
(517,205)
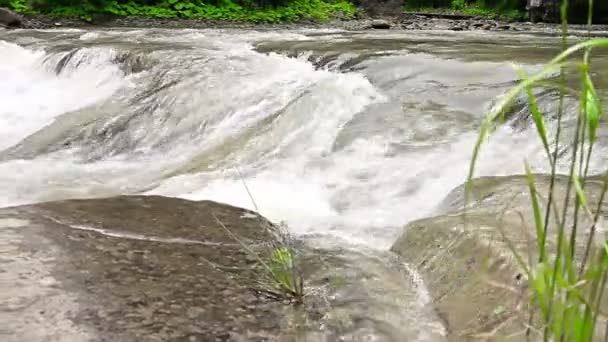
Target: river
(345,136)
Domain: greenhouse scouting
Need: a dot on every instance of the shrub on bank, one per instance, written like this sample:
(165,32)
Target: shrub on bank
(225,10)
(502,9)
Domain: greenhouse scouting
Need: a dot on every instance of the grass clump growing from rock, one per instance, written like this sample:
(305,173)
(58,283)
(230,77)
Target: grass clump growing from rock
(280,277)
(567,269)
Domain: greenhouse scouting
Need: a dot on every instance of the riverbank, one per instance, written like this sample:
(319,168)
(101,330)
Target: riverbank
(406,21)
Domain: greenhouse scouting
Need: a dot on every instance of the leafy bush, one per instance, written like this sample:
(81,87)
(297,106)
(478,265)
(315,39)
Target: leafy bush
(17,5)
(269,11)
(459,4)
(503,9)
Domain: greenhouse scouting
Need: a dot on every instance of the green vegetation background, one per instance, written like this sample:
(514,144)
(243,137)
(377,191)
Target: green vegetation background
(269,11)
(253,10)
(503,9)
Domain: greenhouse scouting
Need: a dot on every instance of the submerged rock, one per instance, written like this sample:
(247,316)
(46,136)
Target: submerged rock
(472,275)
(151,268)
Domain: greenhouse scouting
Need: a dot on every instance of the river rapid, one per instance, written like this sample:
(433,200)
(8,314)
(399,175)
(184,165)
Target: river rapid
(344,136)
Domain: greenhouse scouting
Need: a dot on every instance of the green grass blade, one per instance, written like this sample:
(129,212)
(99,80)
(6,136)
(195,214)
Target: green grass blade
(538,118)
(538,220)
(580,193)
(592,106)
(540,289)
(483,132)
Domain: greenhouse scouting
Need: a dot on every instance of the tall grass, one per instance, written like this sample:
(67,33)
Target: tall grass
(569,274)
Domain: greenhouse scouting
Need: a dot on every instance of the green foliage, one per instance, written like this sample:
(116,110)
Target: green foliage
(20,6)
(262,11)
(506,14)
(481,8)
(281,266)
(459,5)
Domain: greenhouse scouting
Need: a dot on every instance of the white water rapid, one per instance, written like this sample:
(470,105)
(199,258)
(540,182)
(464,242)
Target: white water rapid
(351,153)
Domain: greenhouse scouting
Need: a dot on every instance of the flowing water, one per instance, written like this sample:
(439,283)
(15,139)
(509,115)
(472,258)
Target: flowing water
(344,136)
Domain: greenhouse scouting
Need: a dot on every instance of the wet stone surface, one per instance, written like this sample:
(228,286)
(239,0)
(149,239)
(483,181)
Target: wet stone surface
(466,258)
(151,268)
(131,289)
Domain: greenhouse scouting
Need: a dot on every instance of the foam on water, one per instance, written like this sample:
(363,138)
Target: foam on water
(227,107)
(32,94)
(359,195)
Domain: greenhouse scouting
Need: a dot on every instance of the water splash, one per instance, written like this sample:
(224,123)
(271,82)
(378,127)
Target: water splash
(33,95)
(355,155)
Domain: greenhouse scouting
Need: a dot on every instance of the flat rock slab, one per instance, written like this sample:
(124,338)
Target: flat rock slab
(130,269)
(150,268)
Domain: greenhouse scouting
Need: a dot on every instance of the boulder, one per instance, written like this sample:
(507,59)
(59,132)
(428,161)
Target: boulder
(9,18)
(380,24)
(468,267)
(129,268)
(151,268)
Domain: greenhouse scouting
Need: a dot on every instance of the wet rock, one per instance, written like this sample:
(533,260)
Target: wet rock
(9,18)
(380,24)
(133,268)
(412,26)
(461,265)
(91,244)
